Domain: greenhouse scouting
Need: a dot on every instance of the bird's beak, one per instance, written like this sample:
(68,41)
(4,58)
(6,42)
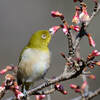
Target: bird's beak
(51,33)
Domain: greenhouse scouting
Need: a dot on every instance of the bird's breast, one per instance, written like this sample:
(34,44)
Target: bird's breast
(34,64)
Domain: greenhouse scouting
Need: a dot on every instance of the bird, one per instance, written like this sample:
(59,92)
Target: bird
(34,60)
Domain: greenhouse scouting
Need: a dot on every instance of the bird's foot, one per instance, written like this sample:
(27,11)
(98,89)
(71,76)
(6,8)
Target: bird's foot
(25,93)
(47,80)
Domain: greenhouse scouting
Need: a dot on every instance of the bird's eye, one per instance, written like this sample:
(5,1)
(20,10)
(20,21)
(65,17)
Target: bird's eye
(43,36)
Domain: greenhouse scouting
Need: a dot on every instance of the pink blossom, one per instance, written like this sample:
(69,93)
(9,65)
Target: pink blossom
(18,94)
(92,77)
(57,14)
(76,17)
(78,90)
(84,16)
(76,28)
(3,71)
(97,63)
(40,97)
(60,88)
(16,86)
(95,53)
(2,88)
(73,86)
(91,41)
(84,85)
(8,68)
(65,29)
(65,92)
(54,29)
(91,66)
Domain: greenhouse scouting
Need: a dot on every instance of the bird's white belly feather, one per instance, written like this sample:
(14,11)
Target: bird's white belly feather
(34,64)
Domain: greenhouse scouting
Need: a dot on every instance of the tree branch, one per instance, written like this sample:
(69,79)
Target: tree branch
(94,94)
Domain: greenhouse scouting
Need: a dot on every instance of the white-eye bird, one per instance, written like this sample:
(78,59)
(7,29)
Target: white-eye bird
(34,59)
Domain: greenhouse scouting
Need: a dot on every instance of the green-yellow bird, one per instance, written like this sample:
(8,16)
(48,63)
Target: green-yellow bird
(34,60)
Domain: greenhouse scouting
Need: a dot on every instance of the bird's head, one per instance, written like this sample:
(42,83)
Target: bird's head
(40,39)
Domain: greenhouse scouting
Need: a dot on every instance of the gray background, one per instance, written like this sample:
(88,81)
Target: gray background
(20,18)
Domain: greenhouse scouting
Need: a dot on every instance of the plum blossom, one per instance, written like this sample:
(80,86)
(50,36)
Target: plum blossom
(84,16)
(76,19)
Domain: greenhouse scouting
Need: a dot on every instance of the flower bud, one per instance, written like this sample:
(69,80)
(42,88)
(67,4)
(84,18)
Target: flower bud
(91,41)
(54,29)
(57,14)
(84,85)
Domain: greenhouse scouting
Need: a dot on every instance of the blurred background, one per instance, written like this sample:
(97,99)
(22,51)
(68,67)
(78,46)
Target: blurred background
(19,19)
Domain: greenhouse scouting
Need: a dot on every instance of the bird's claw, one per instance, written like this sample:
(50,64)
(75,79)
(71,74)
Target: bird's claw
(47,80)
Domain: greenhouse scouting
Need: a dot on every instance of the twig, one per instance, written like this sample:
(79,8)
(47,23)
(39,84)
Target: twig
(92,95)
(93,14)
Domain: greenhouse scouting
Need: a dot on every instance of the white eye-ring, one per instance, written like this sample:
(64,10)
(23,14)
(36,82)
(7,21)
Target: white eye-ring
(43,36)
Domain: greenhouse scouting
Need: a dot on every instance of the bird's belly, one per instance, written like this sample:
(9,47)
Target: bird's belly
(33,67)
(38,70)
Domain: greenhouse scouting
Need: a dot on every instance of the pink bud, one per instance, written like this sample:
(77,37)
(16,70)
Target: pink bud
(84,85)
(92,77)
(3,71)
(16,86)
(76,28)
(95,53)
(91,41)
(40,97)
(73,86)
(57,14)
(76,17)
(9,67)
(91,66)
(65,29)
(84,17)
(97,63)
(18,94)
(60,88)
(57,86)
(54,29)
(65,92)
(77,90)
(2,88)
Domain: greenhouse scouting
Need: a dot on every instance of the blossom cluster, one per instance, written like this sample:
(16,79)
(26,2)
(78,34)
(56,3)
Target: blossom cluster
(11,84)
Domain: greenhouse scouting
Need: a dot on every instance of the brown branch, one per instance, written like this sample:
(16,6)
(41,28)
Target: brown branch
(94,94)
(90,96)
(93,15)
